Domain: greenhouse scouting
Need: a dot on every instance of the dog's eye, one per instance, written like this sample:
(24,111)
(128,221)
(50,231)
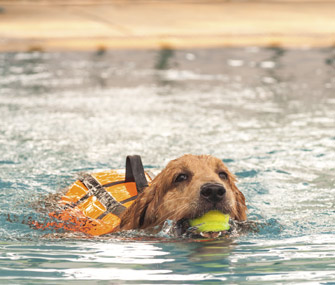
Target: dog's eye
(223,175)
(181,177)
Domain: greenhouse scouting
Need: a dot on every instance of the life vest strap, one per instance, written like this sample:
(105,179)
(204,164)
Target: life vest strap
(135,172)
(129,199)
(113,183)
(96,189)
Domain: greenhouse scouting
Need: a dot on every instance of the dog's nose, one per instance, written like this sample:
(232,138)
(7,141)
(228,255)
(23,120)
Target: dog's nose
(212,192)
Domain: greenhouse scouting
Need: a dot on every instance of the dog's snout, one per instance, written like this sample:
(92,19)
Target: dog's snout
(212,192)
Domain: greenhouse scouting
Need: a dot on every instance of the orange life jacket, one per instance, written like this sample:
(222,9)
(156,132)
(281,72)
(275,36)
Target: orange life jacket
(94,203)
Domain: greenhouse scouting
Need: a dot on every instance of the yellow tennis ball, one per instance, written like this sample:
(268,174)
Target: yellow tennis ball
(212,221)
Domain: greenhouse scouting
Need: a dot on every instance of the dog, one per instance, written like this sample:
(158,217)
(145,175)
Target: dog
(187,188)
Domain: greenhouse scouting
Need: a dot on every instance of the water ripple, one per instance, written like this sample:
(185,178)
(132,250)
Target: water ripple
(268,113)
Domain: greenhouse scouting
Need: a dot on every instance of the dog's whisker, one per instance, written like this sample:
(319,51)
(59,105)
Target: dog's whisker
(167,216)
(168,202)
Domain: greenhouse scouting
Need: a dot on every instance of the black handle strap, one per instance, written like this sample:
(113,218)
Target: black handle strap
(135,172)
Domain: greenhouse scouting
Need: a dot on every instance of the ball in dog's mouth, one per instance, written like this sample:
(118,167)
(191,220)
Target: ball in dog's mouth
(212,224)
(212,221)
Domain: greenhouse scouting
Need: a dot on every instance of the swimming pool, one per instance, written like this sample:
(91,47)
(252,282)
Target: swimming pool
(269,114)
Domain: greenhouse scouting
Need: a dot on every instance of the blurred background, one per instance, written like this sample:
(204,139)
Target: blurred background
(101,24)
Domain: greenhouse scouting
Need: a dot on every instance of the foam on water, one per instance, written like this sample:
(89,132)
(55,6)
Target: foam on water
(269,114)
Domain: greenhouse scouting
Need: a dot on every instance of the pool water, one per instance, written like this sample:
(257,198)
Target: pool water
(268,113)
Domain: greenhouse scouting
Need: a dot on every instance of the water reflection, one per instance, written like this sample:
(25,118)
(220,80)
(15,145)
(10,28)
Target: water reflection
(163,63)
(165,55)
(272,65)
(330,60)
(287,260)
(99,77)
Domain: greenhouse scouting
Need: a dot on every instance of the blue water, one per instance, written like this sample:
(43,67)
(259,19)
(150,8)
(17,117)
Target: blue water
(269,114)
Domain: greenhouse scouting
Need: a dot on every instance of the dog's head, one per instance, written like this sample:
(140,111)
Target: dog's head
(187,188)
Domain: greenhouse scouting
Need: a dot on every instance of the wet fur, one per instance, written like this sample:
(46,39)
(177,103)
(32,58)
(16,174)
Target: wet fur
(166,199)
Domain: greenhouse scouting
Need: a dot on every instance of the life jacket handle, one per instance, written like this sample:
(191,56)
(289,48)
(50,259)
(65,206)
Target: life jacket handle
(135,172)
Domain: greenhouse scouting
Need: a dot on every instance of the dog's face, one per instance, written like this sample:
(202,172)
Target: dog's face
(187,188)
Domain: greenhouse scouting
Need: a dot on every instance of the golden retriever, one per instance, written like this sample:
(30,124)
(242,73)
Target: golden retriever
(187,188)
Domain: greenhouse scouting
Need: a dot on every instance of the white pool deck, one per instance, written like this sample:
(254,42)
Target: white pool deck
(92,25)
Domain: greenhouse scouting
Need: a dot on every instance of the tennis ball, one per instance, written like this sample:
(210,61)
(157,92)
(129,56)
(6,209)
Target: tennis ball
(212,221)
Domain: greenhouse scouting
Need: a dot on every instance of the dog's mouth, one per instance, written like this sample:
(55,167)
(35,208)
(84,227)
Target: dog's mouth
(214,234)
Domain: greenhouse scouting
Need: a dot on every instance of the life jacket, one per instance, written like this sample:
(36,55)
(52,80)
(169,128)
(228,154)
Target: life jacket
(94,203)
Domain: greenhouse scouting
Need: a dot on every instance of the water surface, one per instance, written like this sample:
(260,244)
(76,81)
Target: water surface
(269,114)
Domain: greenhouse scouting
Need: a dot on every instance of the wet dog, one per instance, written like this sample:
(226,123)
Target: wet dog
(187,188)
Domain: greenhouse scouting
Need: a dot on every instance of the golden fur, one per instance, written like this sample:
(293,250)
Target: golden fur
(173,197)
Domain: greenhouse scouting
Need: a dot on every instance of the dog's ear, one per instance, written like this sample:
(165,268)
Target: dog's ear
(135,216)
(143,212)
(239,212)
